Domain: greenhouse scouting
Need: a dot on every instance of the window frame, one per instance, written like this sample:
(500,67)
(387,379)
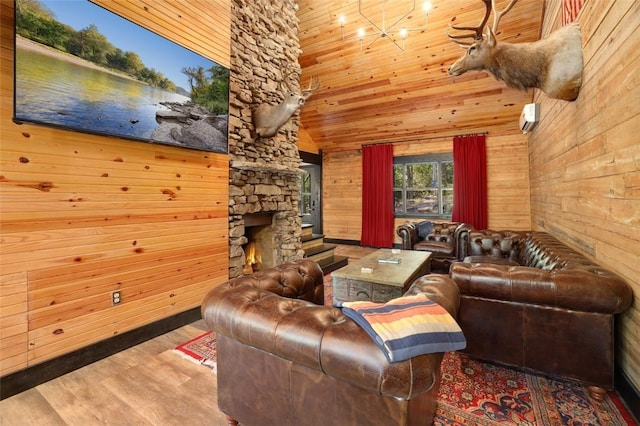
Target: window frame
(416,160)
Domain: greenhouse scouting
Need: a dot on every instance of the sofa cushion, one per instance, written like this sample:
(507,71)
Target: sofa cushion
(436,247)
(407,326)
(490,259)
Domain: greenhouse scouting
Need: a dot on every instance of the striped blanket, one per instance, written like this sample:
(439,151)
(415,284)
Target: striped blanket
(407,326)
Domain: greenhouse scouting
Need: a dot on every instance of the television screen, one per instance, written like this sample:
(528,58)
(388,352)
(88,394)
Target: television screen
(81,67)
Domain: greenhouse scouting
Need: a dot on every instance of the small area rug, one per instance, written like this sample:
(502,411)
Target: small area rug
(201,350)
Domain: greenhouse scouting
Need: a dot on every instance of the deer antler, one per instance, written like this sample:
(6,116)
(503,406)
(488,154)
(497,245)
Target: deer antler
(314,84)
(285,81)
(498,15)
(477,30)
(490,6)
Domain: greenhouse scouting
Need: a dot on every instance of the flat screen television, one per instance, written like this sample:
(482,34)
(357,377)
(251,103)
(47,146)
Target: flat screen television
(83,68)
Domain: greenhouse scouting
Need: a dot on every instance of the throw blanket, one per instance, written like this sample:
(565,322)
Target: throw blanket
(407,326)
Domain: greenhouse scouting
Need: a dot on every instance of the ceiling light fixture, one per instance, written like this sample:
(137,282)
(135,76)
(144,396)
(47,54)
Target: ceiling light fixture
(382,31)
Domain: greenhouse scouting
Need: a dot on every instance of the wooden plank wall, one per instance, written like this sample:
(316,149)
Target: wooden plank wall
(507,181)
(585,157)
(84,215)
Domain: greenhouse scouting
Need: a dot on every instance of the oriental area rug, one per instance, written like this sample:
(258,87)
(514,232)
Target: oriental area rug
(485,394)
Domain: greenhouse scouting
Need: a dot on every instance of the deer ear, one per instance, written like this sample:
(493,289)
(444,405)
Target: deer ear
(491,38)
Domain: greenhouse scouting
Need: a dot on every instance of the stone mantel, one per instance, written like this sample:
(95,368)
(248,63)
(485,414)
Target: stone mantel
(265,167)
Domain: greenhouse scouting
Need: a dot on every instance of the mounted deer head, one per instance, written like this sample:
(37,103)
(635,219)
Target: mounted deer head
(267,119)
(553,64)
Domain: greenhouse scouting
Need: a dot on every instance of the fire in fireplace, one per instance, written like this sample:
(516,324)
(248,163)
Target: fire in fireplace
(254,261)
(260,248)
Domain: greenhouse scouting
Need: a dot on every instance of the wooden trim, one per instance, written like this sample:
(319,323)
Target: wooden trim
(23,380)
(339,241)
(427,138)
(310,157)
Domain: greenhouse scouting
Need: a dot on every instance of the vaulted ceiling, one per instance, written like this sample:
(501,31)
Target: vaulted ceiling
(381,93)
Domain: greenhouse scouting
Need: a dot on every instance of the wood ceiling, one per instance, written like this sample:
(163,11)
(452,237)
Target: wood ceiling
(383,94)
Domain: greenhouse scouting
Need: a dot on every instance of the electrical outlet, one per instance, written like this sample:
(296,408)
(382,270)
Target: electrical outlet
(116,297)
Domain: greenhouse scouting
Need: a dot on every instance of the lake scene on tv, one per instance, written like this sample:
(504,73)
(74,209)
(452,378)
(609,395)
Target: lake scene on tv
(81,67)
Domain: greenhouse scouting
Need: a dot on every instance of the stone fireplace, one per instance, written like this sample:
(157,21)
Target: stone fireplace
(263,172)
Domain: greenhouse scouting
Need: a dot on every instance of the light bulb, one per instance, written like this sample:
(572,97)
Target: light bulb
(342,20)
(426,7)
(403,33)
(360,33)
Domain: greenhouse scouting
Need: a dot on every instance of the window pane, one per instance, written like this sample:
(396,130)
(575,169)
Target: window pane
(422,175)
(398,205)
(306,182)
(423,185)
(447,201)
(398,176)
(447,174)
(423,202)
(305,204)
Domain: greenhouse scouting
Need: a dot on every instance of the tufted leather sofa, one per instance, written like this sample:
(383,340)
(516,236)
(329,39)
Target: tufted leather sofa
(530,301)
(447,241)
(284,360)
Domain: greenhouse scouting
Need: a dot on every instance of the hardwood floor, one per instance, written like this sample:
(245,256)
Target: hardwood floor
(147,384)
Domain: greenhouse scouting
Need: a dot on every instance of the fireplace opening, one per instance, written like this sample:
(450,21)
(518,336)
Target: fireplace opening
(260,248)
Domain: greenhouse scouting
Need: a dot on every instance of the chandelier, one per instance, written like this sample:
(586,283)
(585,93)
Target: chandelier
(392,33)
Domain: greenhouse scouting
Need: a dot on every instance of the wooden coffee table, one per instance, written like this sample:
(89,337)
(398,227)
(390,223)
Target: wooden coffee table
(380,276)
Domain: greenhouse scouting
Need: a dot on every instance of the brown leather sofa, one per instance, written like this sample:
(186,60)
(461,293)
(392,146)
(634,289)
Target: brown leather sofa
(284,360)
(530,301)
(447,241)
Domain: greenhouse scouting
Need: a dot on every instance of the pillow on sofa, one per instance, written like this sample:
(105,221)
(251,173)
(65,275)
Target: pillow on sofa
(407,326)
(424,229)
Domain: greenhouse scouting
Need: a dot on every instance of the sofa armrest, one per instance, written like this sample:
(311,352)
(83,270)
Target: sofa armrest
(585,289)
(462,240)
(439,288)
(295,279)
(323,338)
(409,234)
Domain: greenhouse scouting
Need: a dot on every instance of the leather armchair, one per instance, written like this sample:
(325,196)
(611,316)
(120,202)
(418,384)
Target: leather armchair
(286,361)
(447,241)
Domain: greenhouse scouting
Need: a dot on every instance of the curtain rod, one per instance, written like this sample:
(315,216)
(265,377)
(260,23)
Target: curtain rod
(425,139)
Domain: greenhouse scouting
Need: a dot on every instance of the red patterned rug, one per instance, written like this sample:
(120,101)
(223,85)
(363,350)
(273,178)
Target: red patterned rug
(485,394)
(201,349)
(489,395)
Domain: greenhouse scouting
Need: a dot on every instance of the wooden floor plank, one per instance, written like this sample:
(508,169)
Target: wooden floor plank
(80,400)
(29,408)
(147,384)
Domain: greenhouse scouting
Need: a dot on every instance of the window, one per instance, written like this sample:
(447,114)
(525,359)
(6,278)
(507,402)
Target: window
(423,186)
(305,194)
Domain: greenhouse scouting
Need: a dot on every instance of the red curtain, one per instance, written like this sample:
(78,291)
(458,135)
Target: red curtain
(470,180)
(377,196)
